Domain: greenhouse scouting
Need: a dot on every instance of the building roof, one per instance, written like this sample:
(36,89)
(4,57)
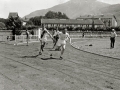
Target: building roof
(71,21)
(95,17)
(13,14)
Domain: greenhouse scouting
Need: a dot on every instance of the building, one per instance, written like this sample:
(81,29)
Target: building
(13,15)
(71,22)
(108,20)
(24,21)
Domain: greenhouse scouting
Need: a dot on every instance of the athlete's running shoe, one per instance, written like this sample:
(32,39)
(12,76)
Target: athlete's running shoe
(40,53)
(61,58)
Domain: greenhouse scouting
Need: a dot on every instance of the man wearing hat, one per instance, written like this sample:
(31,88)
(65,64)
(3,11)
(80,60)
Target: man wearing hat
(112,38)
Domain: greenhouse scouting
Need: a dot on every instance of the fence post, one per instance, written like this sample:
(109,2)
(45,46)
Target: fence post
(15,40)
(23,37)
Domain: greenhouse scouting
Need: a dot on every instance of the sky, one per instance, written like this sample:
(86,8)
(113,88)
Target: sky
(25,7)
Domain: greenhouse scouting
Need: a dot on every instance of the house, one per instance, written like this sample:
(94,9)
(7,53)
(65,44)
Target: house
(108,20)
(13,15)
(24,21)
(71,22)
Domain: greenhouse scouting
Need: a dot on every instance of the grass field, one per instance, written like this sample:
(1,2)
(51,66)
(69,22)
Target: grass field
(99,46)
(23,69)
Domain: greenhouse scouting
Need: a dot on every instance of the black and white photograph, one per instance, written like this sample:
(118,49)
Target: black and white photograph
(60,45)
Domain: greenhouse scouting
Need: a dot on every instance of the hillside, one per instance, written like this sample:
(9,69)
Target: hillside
(73,8)
(112,10)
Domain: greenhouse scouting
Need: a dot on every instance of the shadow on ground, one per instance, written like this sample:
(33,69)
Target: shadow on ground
(50,58)
(33,56)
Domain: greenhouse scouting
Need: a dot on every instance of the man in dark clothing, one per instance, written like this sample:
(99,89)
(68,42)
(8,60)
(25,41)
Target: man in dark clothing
(27,36)
(112,38)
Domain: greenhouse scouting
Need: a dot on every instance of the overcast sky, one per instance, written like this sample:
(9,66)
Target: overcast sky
(24,7)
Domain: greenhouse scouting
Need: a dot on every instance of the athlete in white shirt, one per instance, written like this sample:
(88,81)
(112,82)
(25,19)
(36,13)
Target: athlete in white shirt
(63,37)
(43,39)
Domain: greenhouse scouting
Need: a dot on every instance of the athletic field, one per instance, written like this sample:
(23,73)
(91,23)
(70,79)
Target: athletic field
(21,68)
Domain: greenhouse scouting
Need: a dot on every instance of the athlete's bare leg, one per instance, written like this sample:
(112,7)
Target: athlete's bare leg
(62,51)
(41,47)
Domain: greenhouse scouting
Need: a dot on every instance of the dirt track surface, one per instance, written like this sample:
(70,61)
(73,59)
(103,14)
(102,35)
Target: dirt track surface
(23,69)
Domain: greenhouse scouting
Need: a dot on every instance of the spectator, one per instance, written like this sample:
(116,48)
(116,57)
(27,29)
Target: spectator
(27,36)
(83,34)
(112,38)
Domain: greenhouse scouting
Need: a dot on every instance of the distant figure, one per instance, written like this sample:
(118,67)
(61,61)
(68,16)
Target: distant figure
(83,34)
(27,36)
(112,38)
(55,36)
(7,38)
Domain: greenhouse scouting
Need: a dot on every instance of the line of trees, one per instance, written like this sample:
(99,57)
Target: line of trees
(49,15)
(34,21)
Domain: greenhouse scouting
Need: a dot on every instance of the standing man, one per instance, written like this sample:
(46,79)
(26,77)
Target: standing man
(112,38)
(27,36)
(63,37)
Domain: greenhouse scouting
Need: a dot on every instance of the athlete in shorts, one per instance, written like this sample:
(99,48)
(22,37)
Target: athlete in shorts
(56,37)
(43,39)
(63,37)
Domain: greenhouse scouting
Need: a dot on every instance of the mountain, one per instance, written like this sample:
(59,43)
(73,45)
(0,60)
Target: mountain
(112,10)
(73,8)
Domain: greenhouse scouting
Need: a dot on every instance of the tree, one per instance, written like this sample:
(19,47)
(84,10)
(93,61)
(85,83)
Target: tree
(49,15)
(14,24)
(54,15)
(29,23)
(4,21)
(36,20)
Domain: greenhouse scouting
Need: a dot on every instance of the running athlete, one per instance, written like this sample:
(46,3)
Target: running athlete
(63,37)
(56,37)
(43,39)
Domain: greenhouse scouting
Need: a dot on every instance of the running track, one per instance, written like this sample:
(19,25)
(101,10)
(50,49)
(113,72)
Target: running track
(23,69)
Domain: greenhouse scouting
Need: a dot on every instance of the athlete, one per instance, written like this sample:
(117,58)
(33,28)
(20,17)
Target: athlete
(56,37)
(43,39)
(63,37)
